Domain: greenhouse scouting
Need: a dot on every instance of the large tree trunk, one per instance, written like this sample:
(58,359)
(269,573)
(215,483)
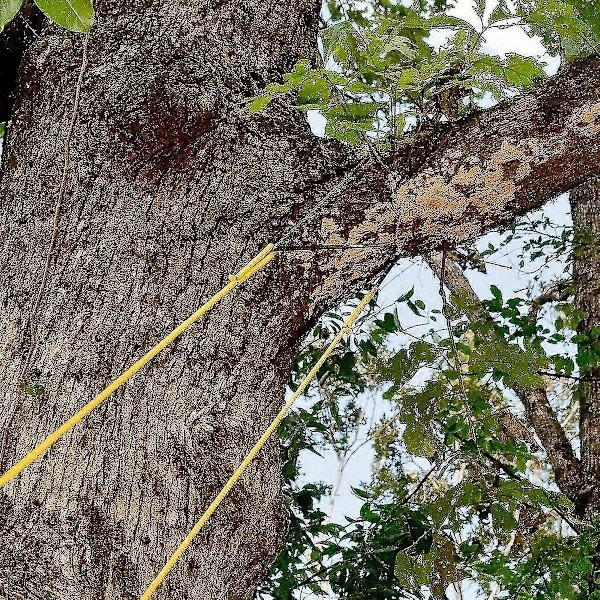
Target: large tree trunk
(172,185)
(585,206)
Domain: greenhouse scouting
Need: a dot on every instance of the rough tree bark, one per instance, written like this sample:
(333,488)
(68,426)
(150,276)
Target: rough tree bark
(586,267)
(171,186)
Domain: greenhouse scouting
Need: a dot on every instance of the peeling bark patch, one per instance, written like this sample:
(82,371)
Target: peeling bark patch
(330,232)
(587,119)
(375,228)
(487,189)
(453,203)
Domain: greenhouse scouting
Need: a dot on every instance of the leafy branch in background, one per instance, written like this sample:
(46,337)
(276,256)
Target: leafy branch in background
(452,499)
(74,15)
(381,74)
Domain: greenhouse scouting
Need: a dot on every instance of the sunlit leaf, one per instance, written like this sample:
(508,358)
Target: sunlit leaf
(8,9)
(75,15)
(259,103)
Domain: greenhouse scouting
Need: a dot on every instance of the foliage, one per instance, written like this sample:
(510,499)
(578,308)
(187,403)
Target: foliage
(8,9)
(382,75)
(461,491)
(35,388)
(74,15)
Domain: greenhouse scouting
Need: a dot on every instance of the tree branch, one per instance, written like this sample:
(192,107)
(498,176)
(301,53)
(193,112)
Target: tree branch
(538,411)
(555,292)
(468,177)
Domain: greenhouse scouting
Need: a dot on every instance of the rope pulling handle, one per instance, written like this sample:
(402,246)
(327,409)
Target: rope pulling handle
(255,449)
(258,262)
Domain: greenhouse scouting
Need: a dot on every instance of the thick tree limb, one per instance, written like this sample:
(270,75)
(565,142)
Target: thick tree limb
(475,175)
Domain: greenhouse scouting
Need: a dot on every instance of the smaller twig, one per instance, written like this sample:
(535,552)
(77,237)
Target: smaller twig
(377,155)
(572,521)
(558,291)
(421,483)
(547,374)
(574,377)
(319,205)
(342,247)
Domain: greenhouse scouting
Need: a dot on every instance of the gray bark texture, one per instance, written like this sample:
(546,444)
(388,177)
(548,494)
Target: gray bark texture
(586,267)
(170,185)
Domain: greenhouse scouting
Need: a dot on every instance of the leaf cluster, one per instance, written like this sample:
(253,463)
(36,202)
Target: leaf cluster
(383,76)
(461,491)
(74,15)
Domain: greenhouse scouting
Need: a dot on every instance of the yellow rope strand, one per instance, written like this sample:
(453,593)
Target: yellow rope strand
(259,261)
(265,436)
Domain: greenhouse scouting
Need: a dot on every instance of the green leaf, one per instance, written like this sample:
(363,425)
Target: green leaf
(8,9)
(339,41)
(504,520)
(360,493)
(368,515)
(314,90)
(589,12)
(74,15)
(560,25)
(298,73)
(413,307)
(523,72)
(259,103)
(399,44)
(407,295)
(389,323)
(500,13)
(446,570)
(496,293)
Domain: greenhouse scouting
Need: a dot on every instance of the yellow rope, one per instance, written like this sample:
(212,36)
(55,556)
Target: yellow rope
(259,261)
(265,436)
